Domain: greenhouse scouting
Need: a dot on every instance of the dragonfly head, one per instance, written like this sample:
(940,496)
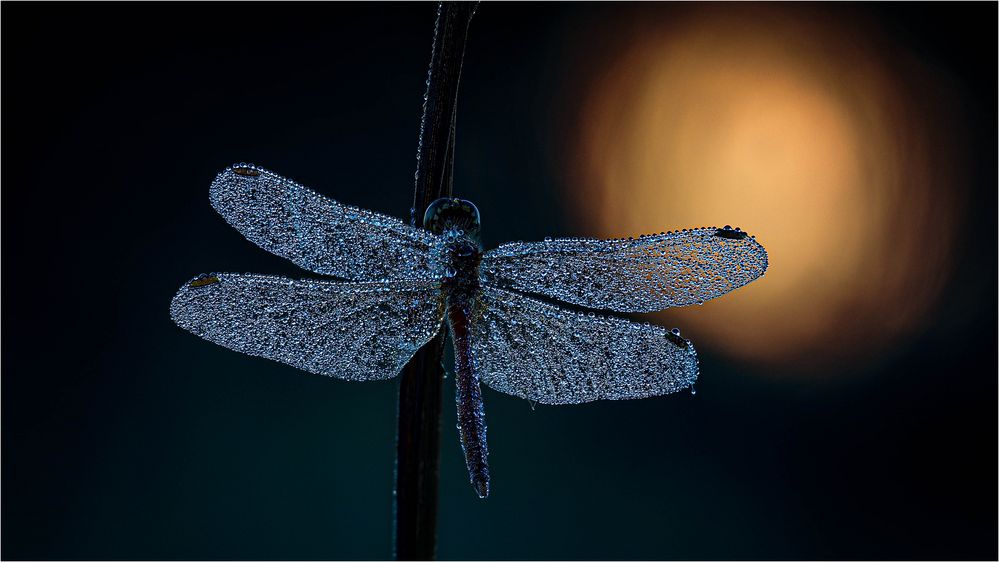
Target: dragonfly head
(451,213)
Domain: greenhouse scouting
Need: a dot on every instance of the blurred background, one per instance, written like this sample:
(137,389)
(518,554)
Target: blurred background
(847,401)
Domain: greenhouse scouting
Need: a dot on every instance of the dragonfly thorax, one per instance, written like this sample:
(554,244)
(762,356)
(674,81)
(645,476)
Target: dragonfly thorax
(461,258)
(457,220)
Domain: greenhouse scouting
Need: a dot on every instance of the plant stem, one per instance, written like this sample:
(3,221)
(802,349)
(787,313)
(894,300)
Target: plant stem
(418,439)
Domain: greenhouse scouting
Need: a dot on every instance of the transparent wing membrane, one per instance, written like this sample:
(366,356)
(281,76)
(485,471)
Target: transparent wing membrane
(527,348)
(353,331)
(318,233)
(635,275)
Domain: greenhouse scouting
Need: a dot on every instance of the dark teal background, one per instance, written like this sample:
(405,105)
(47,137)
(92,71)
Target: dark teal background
(125,437)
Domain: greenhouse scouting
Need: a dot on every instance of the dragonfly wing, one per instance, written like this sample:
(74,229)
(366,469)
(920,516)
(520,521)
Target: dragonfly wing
(635,275)
(353,331)
(318,233)
(531,349)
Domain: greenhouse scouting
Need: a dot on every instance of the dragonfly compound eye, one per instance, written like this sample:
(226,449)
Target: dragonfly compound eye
(452,213)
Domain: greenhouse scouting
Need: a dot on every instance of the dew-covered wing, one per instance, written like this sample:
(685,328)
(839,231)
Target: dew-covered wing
(353,331)
(527,348)
(318,233)
(634,275)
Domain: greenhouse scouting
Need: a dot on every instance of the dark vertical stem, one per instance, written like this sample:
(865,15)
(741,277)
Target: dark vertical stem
(418,438)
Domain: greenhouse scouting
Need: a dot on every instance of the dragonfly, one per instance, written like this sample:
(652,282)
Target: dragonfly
(397,285)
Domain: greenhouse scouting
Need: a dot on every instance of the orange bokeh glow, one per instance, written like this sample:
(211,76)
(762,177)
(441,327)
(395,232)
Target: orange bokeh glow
(798,129)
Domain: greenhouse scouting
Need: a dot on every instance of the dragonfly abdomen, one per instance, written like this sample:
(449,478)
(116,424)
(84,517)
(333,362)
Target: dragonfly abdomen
(468,392)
